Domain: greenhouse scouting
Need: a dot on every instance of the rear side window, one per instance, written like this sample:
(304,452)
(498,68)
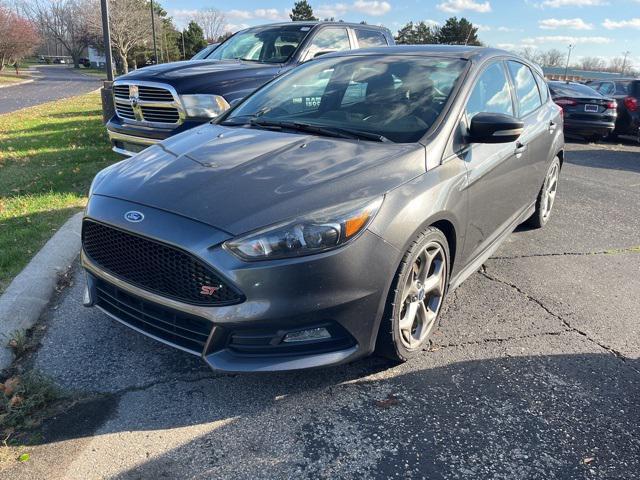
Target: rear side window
(543,87)
(526,88)
(370,38)
(607,88)
(329,40)
(623,88)
(492,93)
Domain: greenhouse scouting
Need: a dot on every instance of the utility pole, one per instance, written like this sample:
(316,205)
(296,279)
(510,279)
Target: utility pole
(106,34)
(624,62)
(184,54)
(153,32)
(566,68)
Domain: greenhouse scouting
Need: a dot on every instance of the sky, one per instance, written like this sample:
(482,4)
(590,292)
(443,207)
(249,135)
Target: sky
(604,28)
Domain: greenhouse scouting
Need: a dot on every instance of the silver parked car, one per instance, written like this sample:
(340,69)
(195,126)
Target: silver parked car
(328,214)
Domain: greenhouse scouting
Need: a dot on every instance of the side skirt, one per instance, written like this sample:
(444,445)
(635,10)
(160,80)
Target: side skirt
(493,246)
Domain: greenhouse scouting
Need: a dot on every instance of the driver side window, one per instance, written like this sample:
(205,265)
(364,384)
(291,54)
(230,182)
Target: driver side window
(328,40)
(491,94)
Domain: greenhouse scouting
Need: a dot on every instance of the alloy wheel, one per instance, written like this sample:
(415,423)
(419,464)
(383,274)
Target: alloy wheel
(422,295)
(549,194)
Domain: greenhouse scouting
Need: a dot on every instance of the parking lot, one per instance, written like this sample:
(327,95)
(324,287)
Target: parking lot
(534,372)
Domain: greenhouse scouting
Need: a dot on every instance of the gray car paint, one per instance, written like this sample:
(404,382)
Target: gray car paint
(233,180)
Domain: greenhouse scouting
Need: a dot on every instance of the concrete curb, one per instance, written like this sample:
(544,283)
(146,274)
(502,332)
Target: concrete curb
(29,293)
(18,83)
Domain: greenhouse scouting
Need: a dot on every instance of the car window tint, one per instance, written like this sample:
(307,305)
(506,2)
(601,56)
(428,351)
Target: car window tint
(623,88)
(491,93)
(526,88)
(543,87)
(329,40)
(370,38)
(607,88)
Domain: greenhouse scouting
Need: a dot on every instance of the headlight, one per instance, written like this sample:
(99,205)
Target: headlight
(204,106)
(318,232)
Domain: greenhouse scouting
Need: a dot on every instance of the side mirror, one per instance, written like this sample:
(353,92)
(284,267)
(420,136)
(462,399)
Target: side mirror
(494,128)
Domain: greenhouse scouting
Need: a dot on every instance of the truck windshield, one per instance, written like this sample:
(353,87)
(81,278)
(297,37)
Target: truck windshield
(266,45)
(390,97)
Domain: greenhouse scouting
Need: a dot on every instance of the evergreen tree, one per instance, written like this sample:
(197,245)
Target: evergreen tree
(302,11)
(406,35)
(417,34)
(194,40)
(458,32)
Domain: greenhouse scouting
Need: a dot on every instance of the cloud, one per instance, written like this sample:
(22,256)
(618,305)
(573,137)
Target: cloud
(508,29)
(573,3)
(612,25)
(373,8)
(570,23)
(455,6)
(567,39)
(260,13)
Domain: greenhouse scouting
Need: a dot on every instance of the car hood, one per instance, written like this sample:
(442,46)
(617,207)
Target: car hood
(239,179)
(195,75)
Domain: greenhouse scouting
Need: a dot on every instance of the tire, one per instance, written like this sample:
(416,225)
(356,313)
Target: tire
(543,209)
(410,296)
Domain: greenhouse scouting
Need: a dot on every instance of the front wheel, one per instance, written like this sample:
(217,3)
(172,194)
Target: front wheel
(416,297)
(546,197)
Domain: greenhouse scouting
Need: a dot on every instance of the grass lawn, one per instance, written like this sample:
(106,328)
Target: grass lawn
(48,158)
(7,76)
(94,72)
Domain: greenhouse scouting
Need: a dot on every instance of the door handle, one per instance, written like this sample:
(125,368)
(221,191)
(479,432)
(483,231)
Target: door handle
(552,126)
(520,149)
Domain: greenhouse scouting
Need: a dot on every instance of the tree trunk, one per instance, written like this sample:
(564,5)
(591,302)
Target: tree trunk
(123,61)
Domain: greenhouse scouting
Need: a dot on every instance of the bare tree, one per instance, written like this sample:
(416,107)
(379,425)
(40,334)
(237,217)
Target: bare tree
(592,63)
(530,54)
(212,22)
(552,58)
(129,27)
(616,64)
(64,20)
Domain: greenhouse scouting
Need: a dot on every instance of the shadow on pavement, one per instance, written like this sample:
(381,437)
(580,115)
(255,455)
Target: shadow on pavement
(623,160)
(512,417)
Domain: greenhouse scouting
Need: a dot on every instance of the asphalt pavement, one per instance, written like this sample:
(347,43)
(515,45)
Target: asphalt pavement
(52,82)
(533,373)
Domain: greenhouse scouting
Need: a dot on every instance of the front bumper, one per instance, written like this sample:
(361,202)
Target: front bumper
(343,291)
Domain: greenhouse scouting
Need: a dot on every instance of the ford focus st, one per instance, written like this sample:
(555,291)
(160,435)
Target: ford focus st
(327,215)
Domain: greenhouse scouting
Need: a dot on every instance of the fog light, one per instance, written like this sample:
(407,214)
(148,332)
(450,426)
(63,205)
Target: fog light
(307,335)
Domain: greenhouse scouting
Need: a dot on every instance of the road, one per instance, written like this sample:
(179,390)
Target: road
(52,82)
(534,373)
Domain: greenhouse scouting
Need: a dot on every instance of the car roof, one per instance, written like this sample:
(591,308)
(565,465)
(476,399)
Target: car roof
(319,23)
(465,52)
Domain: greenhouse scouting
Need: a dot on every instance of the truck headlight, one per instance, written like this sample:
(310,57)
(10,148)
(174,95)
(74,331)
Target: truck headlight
(204,106)
(314,233)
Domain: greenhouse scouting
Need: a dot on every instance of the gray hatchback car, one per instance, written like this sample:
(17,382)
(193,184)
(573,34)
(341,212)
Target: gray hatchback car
(327,215)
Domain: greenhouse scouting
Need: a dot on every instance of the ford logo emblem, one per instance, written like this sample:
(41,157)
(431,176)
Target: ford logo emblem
(134,216)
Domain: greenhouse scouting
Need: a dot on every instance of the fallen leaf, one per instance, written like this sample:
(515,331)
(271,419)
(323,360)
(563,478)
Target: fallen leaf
(10,386)
(387,402)
(16,400)
(588,460)
(24,457)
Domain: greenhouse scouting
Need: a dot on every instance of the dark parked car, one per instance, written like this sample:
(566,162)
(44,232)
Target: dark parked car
(627,94)
(155,103)
(586,112)
(328,214)
(205,52)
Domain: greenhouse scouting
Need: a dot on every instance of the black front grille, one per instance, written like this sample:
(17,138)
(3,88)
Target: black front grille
(121,91)
(154,94)
(154,266)
(125,111)
(178,328)
(160,114)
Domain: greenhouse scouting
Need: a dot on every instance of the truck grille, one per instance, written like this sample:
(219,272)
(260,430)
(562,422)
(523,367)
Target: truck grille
(154,266)
(145,104)
(178,328)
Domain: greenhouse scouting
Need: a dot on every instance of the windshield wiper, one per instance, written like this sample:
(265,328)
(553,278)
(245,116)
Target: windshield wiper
(339,132)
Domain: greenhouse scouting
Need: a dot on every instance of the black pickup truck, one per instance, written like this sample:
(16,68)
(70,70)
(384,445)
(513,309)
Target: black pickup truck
(159,101)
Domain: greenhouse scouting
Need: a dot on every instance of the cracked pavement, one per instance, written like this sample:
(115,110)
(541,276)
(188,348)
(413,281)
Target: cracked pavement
(533,372)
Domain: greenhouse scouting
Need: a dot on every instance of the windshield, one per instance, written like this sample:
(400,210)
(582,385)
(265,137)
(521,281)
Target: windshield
(394,97)
(267,45)
(572,89)
(205,51)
